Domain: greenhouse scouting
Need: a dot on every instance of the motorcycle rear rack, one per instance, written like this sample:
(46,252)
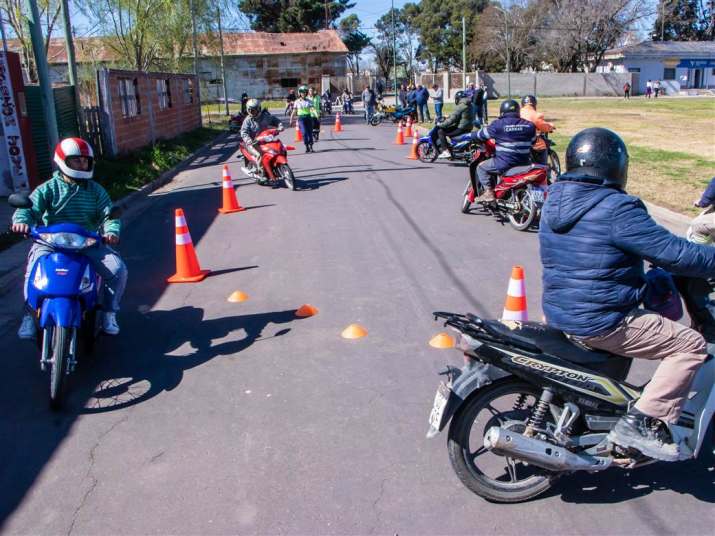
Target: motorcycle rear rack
(469,324)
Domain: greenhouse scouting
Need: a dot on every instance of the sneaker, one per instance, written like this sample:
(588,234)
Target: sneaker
(28,329)
(308,149)
(487,196)
(109,324)
(645,434)
(445,154)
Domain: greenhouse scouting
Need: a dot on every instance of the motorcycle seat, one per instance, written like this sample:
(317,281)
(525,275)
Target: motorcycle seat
(519,170)
(537,337)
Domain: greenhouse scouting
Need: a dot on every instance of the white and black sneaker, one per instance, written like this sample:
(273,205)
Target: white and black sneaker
(109,323)
(645,434)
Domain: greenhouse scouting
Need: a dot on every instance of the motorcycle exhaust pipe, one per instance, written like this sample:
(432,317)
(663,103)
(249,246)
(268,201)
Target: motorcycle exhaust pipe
(541,453)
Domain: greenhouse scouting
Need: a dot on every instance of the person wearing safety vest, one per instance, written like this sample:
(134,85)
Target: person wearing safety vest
(529,113)
(315,98)
(304,108)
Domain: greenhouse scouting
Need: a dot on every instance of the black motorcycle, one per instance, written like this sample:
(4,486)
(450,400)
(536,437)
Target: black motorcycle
(530,405)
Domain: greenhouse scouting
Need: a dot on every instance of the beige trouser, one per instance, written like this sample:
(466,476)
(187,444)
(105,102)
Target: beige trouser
(644,334)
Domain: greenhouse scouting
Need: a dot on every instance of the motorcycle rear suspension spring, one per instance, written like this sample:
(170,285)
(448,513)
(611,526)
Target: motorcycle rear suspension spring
(538,415)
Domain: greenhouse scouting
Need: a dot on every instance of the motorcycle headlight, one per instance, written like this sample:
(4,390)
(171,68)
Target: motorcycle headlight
(68,240)
(86,284)
(39,281)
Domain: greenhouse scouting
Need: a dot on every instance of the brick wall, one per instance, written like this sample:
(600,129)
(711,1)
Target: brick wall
(124,132)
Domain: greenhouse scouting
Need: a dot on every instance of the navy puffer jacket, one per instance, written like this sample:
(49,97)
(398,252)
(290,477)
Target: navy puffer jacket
(593,242)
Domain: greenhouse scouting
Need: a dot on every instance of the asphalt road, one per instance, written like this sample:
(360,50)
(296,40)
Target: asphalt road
(209,417)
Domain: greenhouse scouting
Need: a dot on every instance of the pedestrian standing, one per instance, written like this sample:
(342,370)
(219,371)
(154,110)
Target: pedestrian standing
(438,99)
(656,88)
(244,100)
(627,91)
(304,108)
(484,119)
(421,98)
(648,89)
(368,102)
(402,96)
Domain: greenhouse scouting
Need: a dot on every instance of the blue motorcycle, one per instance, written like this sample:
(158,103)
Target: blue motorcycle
(64,292)
(461,147)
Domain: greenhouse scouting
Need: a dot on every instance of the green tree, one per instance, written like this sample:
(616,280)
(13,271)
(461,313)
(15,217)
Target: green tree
(684,20)
(355,40)
(293,15)
(440,27)
(13,12)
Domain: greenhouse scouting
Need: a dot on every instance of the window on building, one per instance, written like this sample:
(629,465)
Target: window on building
(164,92)
(188,91)
(290,82)
(669,73)
(634,69)
(129,97)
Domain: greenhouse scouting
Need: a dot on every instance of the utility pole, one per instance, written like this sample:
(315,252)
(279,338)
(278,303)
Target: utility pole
(38,48)
(69,46)
(394,53)
(662,20)
(464,53)
(196,49)
(223,67)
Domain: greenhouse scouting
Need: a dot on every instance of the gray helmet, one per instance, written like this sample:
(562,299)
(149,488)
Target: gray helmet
(459,96)
(253,107)
(600,154)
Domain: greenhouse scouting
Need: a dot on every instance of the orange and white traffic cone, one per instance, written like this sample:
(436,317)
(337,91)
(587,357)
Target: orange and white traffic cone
(338,123)
(187,264)
(408,132)
(400,138)
(298,134)
(230,199)
(413,151)
(515,306)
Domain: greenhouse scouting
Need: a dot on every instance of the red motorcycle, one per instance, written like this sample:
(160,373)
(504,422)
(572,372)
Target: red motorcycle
(520,192)
(274,159)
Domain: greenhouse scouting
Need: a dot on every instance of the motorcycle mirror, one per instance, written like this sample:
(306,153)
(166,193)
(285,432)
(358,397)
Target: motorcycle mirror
(21,200)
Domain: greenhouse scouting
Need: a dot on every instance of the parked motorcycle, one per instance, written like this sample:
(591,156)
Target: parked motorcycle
(520,192)
(64,292)
(392,113)
(530,406)
(461,146)
(274,159)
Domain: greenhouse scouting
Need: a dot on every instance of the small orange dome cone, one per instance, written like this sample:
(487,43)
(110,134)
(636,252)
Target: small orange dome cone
(408,132)
(442,340)
(515,306)
(230,198)
(400,138)
(413,151)
(298,134)
(187,263)
(306,310)
(353,331)
(338,123)
(238,297)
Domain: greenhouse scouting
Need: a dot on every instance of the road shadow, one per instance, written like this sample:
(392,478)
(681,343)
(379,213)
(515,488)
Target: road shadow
(182,339)
(695,478)
(314,184)
(218,153)
(319,150)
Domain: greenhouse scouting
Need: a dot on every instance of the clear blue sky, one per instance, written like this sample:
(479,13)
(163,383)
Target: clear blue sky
(371,10)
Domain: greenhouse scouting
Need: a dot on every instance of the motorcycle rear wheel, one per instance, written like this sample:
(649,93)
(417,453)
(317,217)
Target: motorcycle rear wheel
(375,120)
(426,152)
(58,372)
(523,219)
(286,173)
(554,166)
(517,482)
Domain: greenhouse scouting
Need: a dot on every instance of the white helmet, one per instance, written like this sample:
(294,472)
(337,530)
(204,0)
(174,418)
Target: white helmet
(69,149)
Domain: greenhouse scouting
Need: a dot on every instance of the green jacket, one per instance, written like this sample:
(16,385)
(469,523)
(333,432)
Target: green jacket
(58,201)
(462,117)
(316,107)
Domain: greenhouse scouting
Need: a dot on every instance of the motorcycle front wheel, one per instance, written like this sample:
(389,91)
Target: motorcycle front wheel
(507,403)
(61,338)
(286,173)
(375,120)
(426,152)
(522,218)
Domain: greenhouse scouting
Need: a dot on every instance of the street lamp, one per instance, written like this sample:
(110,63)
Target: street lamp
(508,55)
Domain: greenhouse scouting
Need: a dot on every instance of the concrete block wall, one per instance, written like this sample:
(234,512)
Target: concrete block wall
(126,134)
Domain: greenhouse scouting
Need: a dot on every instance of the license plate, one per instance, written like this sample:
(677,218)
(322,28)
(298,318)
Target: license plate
(538,195)
(440,404)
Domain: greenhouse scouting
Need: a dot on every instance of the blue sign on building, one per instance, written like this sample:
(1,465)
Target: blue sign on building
(696,64)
